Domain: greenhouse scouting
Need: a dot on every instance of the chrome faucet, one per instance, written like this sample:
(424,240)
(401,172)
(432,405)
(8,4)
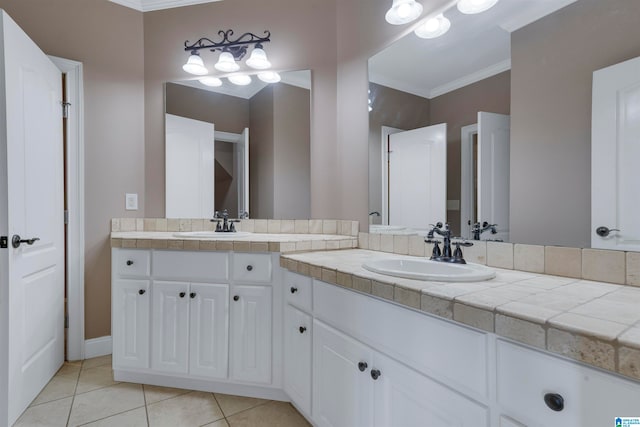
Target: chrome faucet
(445,255)
(478,229)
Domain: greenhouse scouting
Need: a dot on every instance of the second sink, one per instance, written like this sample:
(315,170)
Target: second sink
(424,269)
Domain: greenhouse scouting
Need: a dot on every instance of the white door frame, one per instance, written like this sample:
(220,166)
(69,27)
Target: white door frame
(466,177)
(75,205)
(384,156)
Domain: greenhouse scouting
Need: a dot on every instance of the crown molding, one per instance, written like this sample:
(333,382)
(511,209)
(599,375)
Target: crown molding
(151,5)
(471,78)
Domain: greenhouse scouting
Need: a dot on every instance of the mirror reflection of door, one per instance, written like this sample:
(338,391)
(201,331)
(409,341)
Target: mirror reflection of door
(417,177)
(485,175)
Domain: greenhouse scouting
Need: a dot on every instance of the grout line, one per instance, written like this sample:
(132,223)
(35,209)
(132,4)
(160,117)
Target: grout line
(73,398)
(108,416)
(146,408)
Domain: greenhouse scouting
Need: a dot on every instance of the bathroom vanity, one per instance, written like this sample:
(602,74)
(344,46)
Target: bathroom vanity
(346,346)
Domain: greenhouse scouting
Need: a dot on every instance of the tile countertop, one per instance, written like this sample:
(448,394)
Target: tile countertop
(592,322)
(254,242)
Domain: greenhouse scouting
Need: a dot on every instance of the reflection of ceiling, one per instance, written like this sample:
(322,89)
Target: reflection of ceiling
(149,5)
(300,78)
(476,47)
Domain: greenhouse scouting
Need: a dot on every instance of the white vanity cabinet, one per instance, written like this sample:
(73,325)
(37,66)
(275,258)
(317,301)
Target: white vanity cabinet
(130,322)
(205,320)
(361,348)
(298,327)
(536,389)
(190,328)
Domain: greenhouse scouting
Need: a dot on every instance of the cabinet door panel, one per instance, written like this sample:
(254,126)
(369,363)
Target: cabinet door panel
(251,334)
(209,327)
(342,393)
(403,397)
(170,335)
(130,313)
(297,357)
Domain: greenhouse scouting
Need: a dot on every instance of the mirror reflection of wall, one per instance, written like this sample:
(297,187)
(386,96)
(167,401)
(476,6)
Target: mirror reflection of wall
(277,120)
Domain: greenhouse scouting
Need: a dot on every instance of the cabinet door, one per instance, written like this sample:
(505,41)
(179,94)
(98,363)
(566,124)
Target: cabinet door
(130,314)
(170,331)
(209,326)
(297,357)
(251,334)
(342,389)
(403,397)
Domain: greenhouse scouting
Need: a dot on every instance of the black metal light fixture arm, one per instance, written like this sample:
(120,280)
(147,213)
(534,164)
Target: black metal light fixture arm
(237,47)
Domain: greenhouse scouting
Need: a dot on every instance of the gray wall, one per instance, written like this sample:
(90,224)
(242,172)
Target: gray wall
(261,155)
(291,127)
(553,61)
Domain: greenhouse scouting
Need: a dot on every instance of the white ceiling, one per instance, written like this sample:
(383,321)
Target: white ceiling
(300,78)
(476,47)
(149,5)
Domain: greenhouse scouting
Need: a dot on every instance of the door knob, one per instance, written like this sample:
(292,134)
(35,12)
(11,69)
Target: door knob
(362,366)
(141,291)
(249,267)
(182,294)
(293,289)
(16,241)
(192,295)
(236,297)
(603,231)
(554,401)
(129,262)
(302,329)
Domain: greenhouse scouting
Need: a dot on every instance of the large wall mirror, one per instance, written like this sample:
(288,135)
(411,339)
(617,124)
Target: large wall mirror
(508,93)
(239,148)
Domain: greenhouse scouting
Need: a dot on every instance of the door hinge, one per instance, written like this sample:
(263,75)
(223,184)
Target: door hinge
(65,109)
(4,242)
(66,217)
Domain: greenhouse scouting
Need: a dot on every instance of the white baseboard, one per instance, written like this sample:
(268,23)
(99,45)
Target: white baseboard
(97,347)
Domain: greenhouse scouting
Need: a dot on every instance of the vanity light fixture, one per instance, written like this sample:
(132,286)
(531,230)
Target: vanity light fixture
(403,12)
(232,50)
(434,27)
(269,77)
(240,79)
(195,65)
(470,7)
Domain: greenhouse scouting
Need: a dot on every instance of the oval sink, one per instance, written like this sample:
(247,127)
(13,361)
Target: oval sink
(424,269)
(212,235)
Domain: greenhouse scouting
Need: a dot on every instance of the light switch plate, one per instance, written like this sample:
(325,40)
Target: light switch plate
(131,201)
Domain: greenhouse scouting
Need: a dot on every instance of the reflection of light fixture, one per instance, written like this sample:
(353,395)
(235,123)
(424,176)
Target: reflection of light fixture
(232,51)
(403,12)
(434,27)
(211,81)
(195,65)
(370,106)
(475,6)
(240,79)
(269,77)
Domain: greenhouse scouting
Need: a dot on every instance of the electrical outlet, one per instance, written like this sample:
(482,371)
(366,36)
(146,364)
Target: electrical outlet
(131,201)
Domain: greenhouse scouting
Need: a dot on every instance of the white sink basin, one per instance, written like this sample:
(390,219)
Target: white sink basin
(211,235)
(424,269)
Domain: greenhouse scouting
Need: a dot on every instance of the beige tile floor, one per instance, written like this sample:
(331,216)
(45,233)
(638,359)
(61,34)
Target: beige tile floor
(85,394)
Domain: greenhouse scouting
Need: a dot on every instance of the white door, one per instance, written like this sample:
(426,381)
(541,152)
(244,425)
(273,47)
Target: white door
(342,384)
(31,197)
(403,397)
(189,167)
(615,155)
(251,334)
(242,166)
(494,132)
(418,177)
(297,357)
(170,327)
(130,323)
(209,330)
